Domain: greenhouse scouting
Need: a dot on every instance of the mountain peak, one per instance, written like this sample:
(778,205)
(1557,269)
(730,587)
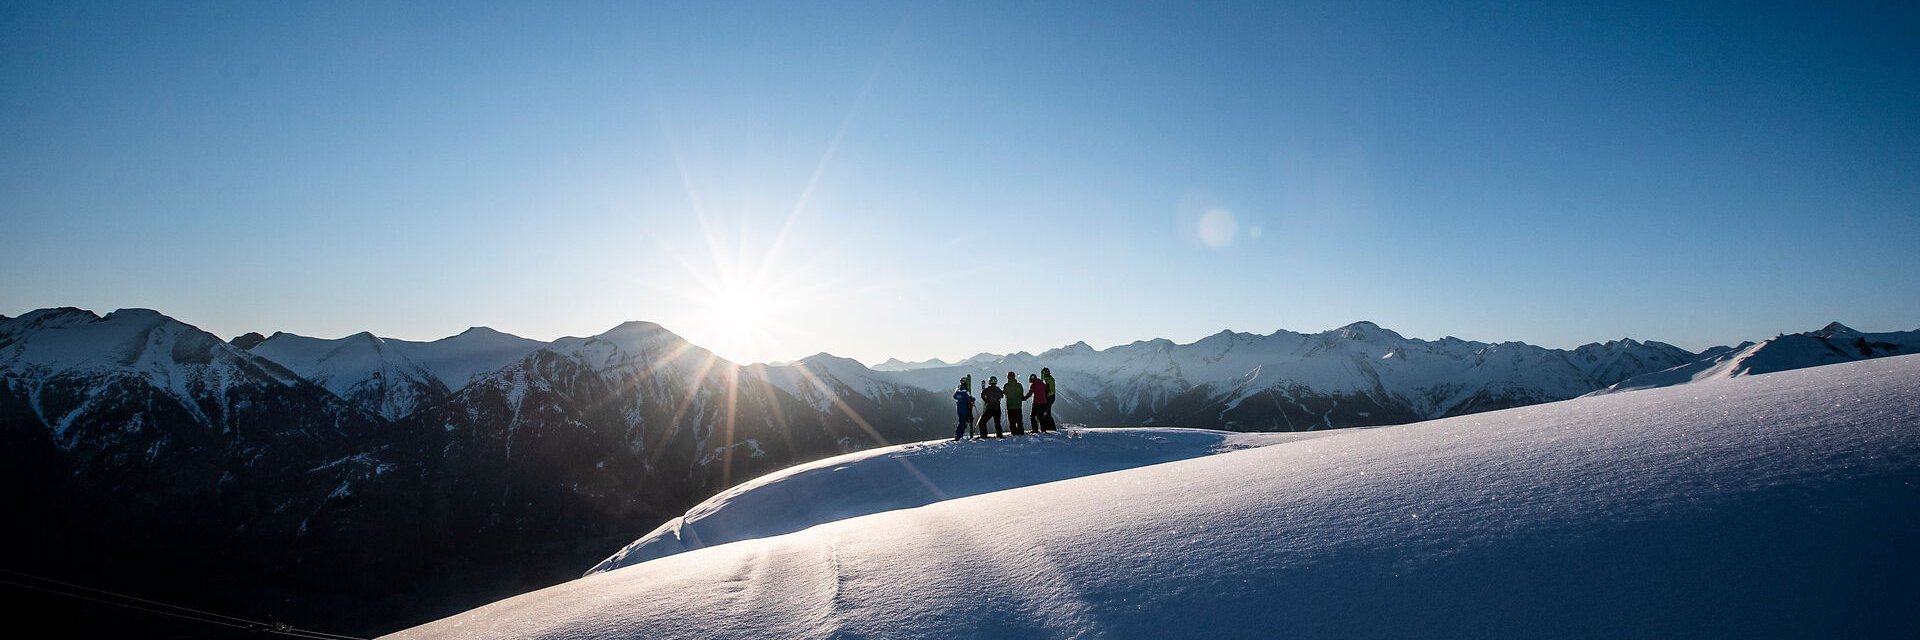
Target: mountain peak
(143,340)
(1080,346)
(1366,331)
(484,339)
(52,317)
(1610,345)
(634,326)
(59,311)
(636,331)
(627,343)
(1834,330)
(824,359)
(136,314)
(1077,348)
(1225,335)
(364,340)
(980,358)
(895,364)
(248,340)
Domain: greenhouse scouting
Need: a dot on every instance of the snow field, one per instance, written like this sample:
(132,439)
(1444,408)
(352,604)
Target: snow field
(913,475)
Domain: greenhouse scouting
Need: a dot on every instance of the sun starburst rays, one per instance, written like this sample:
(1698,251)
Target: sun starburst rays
(750,292)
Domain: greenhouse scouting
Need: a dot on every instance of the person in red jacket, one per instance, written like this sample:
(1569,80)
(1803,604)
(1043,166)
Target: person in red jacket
(1041,397)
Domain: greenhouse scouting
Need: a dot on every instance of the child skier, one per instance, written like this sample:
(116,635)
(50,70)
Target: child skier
(963,402)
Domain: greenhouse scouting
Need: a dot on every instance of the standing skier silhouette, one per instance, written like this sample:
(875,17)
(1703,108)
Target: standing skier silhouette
(1040,395)
(1046,407)
(1014,396)
(963,403)
(991,394)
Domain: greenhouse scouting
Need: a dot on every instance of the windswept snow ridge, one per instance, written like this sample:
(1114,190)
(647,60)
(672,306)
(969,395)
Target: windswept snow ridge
(913,475)
(1778,505)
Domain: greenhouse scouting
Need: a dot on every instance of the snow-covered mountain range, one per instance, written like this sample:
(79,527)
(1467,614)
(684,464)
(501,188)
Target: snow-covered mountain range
(136,415)
(1359,374)
(1775,505)
(393,378)
(1834,343)
(340,465)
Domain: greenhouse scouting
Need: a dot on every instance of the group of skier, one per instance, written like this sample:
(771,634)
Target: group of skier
(1040,389)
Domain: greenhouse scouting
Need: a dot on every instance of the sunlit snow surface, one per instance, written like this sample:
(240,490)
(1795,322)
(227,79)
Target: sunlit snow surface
(913,475)
(1779,505)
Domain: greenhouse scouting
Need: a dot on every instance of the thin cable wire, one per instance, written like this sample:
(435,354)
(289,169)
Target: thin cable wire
(120,595)
(192,614)
(254,627)
(120,604)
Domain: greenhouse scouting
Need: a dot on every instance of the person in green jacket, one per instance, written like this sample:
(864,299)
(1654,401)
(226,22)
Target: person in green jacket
(1015,395)
(1045,419)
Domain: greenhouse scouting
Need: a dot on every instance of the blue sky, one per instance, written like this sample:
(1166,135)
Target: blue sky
(935,180)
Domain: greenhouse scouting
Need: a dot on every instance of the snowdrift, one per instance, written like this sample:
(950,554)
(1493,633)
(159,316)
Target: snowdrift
(1779,505)
(913,475)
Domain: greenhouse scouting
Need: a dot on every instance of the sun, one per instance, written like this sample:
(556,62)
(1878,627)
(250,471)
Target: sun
(744,317)
(741,313)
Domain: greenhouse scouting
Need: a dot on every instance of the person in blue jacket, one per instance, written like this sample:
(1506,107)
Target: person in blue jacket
(963,402)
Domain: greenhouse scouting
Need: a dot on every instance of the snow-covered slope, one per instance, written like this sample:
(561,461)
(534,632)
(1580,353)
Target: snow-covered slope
(912,475)
(1778,505)
(1831,344)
